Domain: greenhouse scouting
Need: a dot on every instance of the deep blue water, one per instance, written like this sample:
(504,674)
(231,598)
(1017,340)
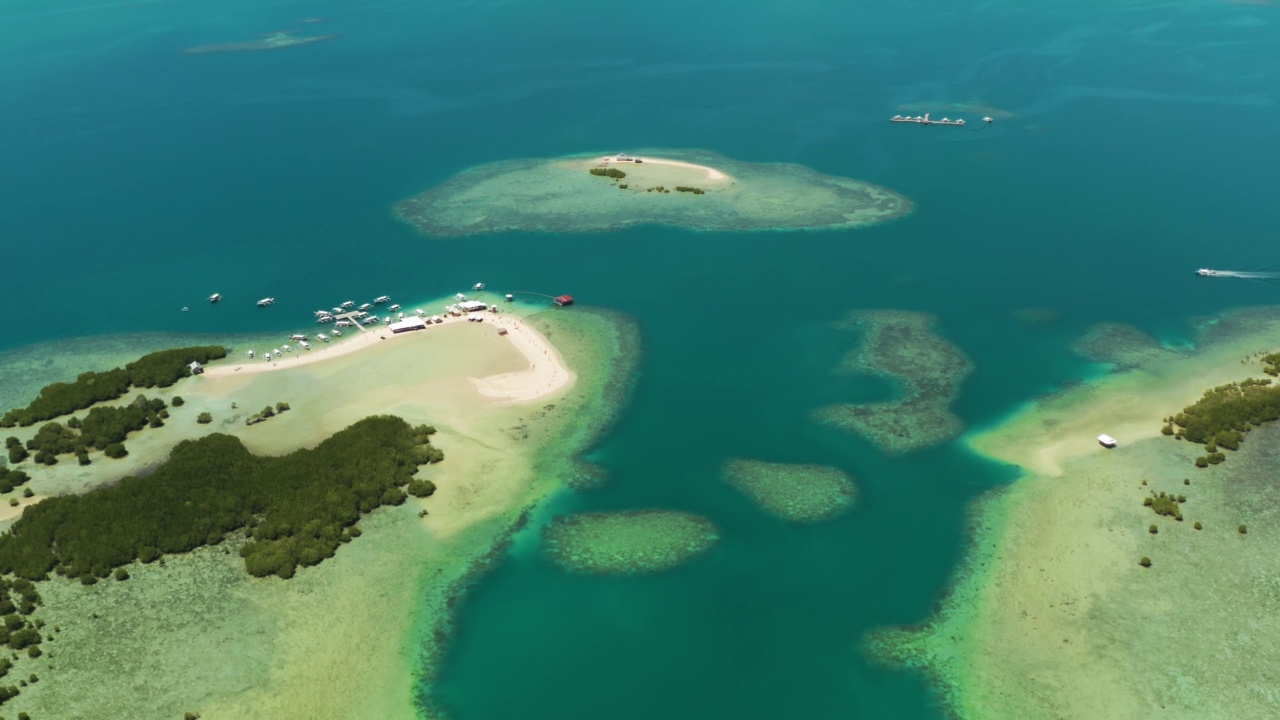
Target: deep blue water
(1139,146)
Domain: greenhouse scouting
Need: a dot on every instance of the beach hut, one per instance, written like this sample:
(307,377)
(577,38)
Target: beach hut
(196,369)
(564,300)
(408,324)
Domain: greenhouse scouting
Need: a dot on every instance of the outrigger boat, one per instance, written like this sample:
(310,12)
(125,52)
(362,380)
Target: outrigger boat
(264,302)
(215,297)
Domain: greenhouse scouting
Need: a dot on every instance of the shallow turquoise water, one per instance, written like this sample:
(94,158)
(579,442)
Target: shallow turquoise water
(138,180)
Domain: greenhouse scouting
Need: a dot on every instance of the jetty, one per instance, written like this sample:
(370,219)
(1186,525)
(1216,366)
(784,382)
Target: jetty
(353,318)
(925,120)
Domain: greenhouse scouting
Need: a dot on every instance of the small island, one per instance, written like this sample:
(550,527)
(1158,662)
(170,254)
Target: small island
(692,189)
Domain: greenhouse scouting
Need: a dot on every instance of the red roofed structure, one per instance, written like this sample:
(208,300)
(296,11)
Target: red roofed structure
(564,300)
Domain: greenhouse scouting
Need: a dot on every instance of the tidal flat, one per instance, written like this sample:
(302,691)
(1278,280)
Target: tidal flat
(1070,604)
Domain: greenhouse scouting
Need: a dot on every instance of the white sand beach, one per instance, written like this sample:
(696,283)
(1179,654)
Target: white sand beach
(547,373)
(712,173)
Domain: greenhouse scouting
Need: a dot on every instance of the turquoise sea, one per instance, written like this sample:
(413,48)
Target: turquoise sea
(1133,142)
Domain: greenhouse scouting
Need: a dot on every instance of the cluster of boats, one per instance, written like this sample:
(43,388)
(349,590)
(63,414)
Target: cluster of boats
(349,314)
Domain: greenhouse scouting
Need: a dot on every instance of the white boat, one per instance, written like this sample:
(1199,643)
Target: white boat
(322,337)
(267,356)
(250,353)
(382,299)
(337,333)
(215,297)
(348,304)
(510,297)
(372,320)
(1106,441)
(321,313)
(325,319)
(1206,272)
(399,316)
(420,312)
(460,296)
(366,306)
(287,348)
(362,315)
(478,286)
(343,323)
(394,308)
(337,310)
(298,336)
(305,345)
(264,302)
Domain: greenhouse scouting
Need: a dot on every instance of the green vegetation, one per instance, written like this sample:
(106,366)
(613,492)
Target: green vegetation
(264,414)
(1225,414)
(421,488)
(10,479)
(178,401)
(623,186)
(1145,561)
(1166,505)
(103,428)
(204,418)
(1243,530)
(296,509)
(1198,525)
(20,631)
(158,369)
(1271,364)
(687,189)
(1153,529)
(608,172)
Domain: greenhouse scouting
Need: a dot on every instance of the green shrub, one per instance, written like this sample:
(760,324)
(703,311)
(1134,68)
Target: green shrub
(115,451)
(1202,462)
(295,508)
(1186,481)
(421,488)
(204,418)
(177,401)
(1198,525)
(623,186)
(687,189)
(121,574)
(608,172)
(1145,562)
(1215,458)
(1242,529)
(1153,529)
(282,407)
(158,369)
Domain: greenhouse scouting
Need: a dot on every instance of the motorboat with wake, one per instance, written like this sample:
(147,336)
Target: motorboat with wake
(1206,272)
(266,302)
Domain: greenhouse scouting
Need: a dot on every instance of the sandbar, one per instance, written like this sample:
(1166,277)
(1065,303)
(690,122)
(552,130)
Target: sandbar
(692,189)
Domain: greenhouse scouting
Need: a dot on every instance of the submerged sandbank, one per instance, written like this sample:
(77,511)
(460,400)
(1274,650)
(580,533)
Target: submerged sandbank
(799,493)
(1052,613)
(903,346)
(311,646)
(562,195)
(627,543)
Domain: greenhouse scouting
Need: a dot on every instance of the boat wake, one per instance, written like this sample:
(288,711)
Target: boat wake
(1242,274)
